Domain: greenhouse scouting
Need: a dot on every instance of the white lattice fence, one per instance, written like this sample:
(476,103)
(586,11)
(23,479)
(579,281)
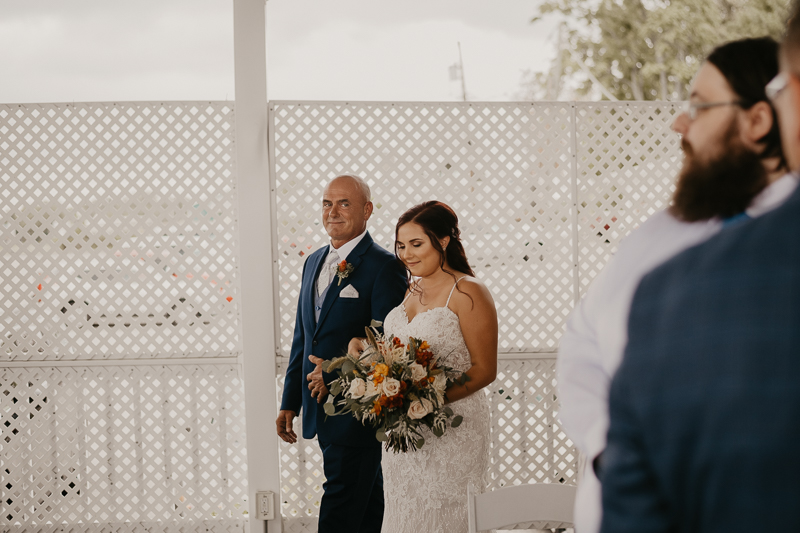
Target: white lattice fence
(627,162)
(118,237)
(544,193)
(504,168)
(119,245)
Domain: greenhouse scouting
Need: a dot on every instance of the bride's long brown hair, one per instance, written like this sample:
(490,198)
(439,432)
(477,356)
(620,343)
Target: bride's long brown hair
(438,220)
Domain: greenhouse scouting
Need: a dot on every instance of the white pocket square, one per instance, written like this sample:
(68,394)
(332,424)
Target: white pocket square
(349,292)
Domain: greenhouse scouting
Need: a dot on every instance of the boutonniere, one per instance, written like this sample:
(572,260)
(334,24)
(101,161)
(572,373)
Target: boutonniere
(343,270)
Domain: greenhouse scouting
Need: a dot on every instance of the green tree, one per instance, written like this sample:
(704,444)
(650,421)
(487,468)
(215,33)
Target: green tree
(648,49)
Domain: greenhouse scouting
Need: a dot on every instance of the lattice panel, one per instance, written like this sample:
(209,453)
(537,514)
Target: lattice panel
(628,159)
(302,476)
(504,168)
(118,231)
(133,448)
(528,446)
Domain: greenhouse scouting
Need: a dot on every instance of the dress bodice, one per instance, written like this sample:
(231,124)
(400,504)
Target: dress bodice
(439,327)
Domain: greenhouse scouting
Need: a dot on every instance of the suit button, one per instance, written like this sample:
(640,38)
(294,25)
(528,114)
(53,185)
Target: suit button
(315,343)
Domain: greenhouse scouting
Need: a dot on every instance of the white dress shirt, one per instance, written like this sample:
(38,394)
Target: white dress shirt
(344,250)
(596,333)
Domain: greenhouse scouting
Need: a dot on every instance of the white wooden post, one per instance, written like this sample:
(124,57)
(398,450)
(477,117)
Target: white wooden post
(257,266)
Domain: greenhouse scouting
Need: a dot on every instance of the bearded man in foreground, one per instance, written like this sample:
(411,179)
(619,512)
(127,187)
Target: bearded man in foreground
(733,170)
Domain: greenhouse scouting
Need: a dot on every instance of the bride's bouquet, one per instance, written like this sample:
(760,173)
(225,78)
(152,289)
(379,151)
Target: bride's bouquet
(395,387)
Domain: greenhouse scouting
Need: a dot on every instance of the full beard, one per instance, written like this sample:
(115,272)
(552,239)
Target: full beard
(722,186)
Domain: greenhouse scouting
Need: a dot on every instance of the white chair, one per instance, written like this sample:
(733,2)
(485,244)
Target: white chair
(550,505)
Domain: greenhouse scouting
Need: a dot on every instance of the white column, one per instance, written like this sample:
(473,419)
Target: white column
(255,230)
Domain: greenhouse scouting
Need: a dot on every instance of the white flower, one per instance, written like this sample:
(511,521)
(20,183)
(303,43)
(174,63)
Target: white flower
(439,385)
(372,389)
(357,388)
(419,408)
(390,387)
(418,371)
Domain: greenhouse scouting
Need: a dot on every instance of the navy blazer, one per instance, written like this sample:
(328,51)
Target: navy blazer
(705,408)
(380,279)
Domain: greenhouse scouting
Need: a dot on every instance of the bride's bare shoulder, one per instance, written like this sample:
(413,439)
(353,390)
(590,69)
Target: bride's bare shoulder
(470,293)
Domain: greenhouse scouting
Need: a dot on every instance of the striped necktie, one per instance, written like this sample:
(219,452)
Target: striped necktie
(326,274)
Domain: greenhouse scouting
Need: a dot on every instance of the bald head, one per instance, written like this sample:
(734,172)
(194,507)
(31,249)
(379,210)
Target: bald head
(357,182)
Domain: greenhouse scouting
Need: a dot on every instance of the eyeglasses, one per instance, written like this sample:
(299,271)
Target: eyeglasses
(776,86)
(693,109)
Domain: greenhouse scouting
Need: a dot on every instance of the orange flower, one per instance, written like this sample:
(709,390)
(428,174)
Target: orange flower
(391,402)
(377,378)
(376,407)
(342,266)
(382,369)
(424,346)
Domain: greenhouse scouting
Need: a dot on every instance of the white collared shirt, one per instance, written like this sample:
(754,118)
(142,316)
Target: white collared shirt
(344,250)
(593,343)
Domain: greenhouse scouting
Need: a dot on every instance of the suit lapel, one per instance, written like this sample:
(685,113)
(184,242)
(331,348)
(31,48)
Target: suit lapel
(354,258)
(314,267)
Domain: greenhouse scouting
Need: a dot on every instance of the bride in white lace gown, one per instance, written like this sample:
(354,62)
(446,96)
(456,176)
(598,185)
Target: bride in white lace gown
(426,490)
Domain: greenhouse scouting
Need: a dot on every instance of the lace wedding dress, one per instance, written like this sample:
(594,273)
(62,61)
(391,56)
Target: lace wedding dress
(426,490)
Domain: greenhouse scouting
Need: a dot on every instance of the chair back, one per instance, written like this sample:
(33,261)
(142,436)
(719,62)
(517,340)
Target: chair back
(550,505)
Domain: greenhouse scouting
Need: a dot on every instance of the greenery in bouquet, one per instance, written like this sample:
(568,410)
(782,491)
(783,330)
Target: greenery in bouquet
(397,388)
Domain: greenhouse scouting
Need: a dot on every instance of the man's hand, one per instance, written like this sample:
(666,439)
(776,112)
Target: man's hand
(356,346)
(284,423)
(315,383)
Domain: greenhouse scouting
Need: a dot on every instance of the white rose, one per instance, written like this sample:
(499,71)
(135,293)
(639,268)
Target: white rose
(440,382)
(357,388)
(390,387)
(419,408)
(418,371)
(372,389)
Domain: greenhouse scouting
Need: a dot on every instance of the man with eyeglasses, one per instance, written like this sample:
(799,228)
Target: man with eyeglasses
(705,407)
(733,170)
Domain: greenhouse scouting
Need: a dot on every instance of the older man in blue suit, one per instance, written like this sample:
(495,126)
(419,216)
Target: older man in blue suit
(705,407)
(336,305)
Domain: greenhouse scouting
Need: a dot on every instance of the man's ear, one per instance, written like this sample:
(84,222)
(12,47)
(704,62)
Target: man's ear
(368,210)
(759,122)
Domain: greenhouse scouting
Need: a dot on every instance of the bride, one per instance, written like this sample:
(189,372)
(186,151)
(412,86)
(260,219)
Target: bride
(426,490)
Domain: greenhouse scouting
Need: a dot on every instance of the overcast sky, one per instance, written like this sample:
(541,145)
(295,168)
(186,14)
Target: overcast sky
(115,50)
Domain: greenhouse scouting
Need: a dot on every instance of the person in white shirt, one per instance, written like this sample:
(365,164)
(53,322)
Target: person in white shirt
(733,169)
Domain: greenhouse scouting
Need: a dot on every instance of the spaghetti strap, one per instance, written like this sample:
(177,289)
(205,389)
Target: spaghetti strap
(451,290)
(406,298)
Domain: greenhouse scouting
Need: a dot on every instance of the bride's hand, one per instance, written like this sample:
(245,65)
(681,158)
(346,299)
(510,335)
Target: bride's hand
(356,346)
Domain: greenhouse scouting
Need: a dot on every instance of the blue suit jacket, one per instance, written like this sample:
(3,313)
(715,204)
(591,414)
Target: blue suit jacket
(705,407)
(380,279)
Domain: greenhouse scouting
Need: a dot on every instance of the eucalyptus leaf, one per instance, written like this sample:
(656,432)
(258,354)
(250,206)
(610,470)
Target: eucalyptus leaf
(448,411)
(381,436)
(438,431)
(420,442)
(336,388)
(375,324)
(457,421)
(329,408)
(348,366)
